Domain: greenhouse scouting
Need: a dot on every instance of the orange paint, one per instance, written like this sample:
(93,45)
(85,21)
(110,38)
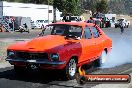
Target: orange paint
(86,50)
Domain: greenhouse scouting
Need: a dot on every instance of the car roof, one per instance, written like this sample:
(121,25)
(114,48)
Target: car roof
(75,23)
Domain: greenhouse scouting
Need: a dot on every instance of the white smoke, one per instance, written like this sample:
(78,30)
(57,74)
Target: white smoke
(121,52)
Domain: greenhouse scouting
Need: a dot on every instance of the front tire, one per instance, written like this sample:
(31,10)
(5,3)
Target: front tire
(19,70)
(71,68)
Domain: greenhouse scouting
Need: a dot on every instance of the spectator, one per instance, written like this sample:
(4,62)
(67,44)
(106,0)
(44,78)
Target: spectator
(91,20)
(10,23)
(64,18)
(25,26)
(82,18)
(103,22)
(42,27)
(1,28)
(122,25)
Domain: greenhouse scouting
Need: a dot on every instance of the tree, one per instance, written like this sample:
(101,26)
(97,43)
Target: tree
(90,5)
(72,6)
(120,6)
(102,6)
(93,4)
(76,7)
(59,4)
(68,6)
(116,6)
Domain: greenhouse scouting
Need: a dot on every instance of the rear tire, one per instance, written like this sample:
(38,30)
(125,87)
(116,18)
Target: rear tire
(101,60)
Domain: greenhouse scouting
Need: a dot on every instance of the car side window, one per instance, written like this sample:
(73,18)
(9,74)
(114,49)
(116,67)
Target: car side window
(87,33)
(58,30)
(95,32)
(76,31)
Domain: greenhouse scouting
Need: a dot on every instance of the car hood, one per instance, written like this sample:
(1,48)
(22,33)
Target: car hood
(44,43)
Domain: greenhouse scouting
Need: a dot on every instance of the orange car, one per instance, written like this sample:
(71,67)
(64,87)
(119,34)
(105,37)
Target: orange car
(63,46)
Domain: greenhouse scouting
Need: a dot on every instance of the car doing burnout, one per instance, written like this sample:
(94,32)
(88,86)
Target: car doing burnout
(61,46)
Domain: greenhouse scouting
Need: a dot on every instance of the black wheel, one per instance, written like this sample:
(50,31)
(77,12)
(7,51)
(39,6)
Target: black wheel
(19,70)
(101,60)
(71,69)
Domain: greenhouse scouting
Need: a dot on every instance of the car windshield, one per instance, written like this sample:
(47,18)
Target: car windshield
(63,30)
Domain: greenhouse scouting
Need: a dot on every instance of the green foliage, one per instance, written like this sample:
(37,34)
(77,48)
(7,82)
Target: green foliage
(68,6)
(59,4)
(116,6)
(93,4)
(102,6)
(120,6)
(96,5)
(76,7)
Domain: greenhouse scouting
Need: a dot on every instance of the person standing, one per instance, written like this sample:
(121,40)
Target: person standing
(26,27)
(42,27)
(91,20)
(122,25)
(10,23)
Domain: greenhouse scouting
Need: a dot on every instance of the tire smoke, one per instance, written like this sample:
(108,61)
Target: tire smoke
(120,54)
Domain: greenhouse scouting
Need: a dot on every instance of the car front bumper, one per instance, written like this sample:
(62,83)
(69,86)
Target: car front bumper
(45,64)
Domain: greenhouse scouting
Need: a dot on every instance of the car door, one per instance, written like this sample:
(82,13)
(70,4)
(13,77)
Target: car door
(88,46)
(98,41)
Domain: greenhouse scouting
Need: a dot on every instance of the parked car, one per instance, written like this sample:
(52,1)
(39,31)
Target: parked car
(117,23)
(63,46)
(74,18)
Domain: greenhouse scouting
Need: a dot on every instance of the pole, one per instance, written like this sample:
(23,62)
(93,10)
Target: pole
(54,10)
(48,11)
(54,14)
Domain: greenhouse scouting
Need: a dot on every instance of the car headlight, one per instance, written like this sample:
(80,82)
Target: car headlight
(54,57)
(11,54)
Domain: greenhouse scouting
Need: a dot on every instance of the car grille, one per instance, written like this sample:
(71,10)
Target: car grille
(26,55)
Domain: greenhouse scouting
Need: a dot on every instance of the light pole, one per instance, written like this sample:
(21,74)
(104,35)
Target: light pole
(48,11)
